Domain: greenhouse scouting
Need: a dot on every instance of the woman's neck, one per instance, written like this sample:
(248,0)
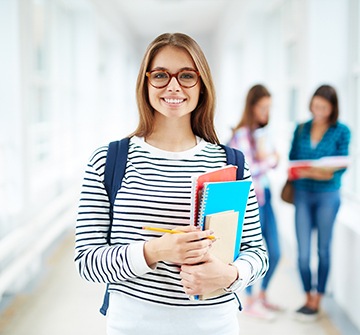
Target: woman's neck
(318,129)
(172,135)
(171,142)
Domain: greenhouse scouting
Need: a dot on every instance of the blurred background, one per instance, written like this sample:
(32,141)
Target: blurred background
(67,86)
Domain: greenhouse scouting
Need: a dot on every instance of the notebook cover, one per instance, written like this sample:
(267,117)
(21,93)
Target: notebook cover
(331,162)
(224,196)
(224,225)
(226,173)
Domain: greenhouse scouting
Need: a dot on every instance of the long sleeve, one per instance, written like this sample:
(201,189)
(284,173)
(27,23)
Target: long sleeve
(95,259)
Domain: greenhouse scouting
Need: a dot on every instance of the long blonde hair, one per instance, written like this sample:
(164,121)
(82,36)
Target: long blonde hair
(202,118)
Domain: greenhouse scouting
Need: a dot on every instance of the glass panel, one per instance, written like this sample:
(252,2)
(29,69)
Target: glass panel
(291,60)
(39,36)
(357,30)
(39,107)
(293,104)
(355,141)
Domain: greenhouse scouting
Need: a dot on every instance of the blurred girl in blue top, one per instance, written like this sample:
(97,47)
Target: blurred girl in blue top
(317,196)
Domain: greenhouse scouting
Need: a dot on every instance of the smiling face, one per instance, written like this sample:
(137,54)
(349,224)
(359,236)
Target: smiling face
(173,100)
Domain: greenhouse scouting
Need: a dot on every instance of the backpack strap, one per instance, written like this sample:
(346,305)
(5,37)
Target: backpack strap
(235,157)
(114,173)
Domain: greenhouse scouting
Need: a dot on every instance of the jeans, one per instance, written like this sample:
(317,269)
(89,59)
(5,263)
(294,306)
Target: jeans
(315,211)
(270,235)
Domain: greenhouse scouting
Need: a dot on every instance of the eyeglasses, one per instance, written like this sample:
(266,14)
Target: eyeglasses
(162,78)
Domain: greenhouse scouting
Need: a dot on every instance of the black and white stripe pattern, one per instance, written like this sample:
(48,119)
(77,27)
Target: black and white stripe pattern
(155,191)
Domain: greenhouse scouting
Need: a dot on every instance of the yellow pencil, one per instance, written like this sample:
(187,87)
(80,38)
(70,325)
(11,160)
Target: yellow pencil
(162,230)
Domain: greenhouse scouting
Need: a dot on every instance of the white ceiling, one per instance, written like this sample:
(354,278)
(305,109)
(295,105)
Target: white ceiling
(149,18)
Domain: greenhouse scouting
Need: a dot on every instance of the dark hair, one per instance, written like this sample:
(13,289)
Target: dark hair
(328,93)
(255,93)
(202,117)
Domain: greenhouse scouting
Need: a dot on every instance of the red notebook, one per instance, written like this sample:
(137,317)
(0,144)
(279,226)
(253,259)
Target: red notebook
(226,173)
(331,162)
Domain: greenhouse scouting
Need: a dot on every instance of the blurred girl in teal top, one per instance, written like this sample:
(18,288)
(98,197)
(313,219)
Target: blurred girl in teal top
(317,196)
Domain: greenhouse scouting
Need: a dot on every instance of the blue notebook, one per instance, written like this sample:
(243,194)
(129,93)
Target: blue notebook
(224,196)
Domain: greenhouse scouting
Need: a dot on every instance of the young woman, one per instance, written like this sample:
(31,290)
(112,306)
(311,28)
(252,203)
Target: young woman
(152,276)
(251,137)
(317,196)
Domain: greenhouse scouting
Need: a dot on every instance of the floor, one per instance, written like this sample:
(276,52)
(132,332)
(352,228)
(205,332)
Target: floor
(63,304)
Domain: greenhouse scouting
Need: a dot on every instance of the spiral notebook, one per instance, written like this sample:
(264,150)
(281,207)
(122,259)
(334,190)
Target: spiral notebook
(221,197)
(225,173)
(225,196)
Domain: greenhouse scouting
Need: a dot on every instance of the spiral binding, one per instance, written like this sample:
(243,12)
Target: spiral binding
(204,196)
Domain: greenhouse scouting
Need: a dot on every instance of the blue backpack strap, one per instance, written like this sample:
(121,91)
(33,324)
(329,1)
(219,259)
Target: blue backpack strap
(114,173)
(235,157)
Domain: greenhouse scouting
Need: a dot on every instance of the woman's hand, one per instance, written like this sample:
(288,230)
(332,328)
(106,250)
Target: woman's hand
(316,173)
(208,276)
(190,247)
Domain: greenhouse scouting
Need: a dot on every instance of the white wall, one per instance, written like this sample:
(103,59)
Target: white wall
(67,91)
(11,131)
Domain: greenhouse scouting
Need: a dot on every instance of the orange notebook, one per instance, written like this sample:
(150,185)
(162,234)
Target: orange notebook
(226,173)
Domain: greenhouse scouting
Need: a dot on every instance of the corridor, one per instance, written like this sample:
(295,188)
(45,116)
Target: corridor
(67,86)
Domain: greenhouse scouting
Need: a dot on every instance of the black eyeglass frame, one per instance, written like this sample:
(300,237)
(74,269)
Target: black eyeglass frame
(148,74)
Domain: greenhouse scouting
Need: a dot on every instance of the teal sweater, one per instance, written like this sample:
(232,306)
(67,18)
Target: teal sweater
(335,142)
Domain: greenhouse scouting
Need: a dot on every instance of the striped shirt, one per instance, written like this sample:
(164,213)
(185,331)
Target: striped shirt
(155,191)
(335,142)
